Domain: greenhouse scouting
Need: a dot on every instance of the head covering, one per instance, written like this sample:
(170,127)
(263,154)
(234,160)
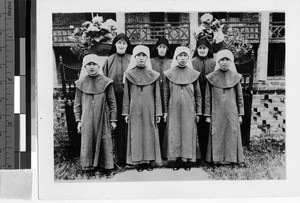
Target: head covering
(91,58)
(228,54)
(164,41)
(205,42)
(138,49)
(178,51)
(116,39)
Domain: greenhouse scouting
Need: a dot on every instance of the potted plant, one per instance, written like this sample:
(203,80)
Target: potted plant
(93,37)
(222,36)
(236,42)
(212,29)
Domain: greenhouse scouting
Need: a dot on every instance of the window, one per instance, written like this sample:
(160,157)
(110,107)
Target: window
(276,59)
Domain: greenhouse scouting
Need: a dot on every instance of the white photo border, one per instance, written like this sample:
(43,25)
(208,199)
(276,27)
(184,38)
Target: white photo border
(49,189)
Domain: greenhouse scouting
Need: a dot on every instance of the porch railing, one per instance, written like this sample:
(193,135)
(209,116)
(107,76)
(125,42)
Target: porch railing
(60,36)
(175,32)
(277,31)
(250,30)
(148,33)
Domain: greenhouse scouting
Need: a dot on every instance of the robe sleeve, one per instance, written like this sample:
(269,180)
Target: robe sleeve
(126,100)
(112,103)
(240,100)
(198,97)
(166,94)
(78,105)
(207,107)
(105,68)
(158,106)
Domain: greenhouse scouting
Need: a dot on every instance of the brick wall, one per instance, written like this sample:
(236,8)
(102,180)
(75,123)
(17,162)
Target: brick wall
(268,108)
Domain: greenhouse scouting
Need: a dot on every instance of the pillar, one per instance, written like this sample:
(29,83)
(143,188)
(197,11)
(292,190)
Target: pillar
(193,27)
(120,17)
(263,49)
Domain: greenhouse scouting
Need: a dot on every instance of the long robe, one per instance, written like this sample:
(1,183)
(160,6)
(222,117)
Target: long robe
(142,102)
(224,103)
(204,66)
(114,68)
(95,107)
(160,65)
(182,102)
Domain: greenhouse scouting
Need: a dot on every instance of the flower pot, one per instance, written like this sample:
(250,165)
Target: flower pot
(217,47)
(244,59)
(101,49)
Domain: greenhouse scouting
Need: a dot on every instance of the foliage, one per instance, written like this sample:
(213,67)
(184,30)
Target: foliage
(264,160)
(212,29)
(236,42)
(219,32)
(92,33)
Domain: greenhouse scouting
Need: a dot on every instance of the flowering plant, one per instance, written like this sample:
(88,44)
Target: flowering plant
(224,37)
(236,42)
(212,29)
(92,33)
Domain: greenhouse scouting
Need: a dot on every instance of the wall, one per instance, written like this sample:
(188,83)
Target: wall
(268,108)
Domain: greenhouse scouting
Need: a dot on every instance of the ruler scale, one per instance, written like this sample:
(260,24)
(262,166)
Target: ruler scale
(7,84)
(15,139)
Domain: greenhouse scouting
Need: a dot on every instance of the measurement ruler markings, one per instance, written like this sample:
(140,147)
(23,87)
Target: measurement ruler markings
(7,84)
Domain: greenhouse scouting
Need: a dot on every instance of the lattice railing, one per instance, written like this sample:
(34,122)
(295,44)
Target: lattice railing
(251,31)
(176,33)
(277,31)
(60,36)
(148,33)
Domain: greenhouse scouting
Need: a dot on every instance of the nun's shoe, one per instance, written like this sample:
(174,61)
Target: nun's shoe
(187,166)
(140,168)
(148,167)
(177,164)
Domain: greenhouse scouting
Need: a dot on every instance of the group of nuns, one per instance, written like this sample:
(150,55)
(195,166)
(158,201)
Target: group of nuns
(179,109)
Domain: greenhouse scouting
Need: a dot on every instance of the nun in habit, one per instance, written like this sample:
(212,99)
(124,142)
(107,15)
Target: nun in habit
(204,63)
(161,61)
(224,109)
(142,110)
(182,108)
(96,114)
(114,68)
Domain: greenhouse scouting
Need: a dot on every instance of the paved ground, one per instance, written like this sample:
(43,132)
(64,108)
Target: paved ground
(160,174)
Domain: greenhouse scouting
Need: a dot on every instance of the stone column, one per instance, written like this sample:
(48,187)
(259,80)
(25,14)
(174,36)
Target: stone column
(263,49)
(193,28)
(120,17)
(55,75)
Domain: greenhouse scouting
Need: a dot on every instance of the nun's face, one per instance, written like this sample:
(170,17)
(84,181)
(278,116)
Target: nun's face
(92,68)
(162,50)
(121,46)
(224,63)
(202,51)
(141,59)
(182,58)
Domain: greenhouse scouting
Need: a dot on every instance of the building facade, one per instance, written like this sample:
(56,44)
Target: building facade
(265,30)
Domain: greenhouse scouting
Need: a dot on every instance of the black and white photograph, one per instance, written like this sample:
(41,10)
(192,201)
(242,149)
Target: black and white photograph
(148,96)
(162,95)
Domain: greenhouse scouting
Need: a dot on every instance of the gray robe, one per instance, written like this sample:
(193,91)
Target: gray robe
(95,107)
(224,103)
(142,102)
(182,102)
